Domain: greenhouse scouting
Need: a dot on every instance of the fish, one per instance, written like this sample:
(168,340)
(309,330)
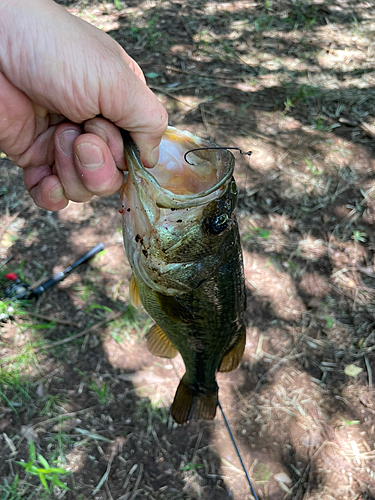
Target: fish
(182,241)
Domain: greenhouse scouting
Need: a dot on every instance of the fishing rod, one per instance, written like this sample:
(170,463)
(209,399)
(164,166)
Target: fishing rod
(22,291)
(237,451)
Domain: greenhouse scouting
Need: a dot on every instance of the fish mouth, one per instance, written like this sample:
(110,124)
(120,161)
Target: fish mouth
(174,183)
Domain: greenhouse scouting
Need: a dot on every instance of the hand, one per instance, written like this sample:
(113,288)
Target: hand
(57,74)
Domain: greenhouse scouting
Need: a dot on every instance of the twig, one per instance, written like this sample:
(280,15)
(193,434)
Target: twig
(169,94)
(306,471)
(65,416)
(203,75)
(127,480)
(367,129)
(54,320)
(369,372)
(137,481)
(11,220)
(84,332)
(8,259)
(106,474)
(108,491)
(276,366)
(187,29)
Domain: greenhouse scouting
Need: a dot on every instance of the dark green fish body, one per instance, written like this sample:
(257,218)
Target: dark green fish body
(182,242)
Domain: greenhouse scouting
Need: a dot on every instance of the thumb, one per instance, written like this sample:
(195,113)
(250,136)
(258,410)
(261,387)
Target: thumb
(148,143)
(143,116)
(147,135)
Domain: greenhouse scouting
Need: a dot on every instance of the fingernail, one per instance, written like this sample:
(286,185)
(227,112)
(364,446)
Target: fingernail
(56,194)
(89,156)
(66,140)
(153,157)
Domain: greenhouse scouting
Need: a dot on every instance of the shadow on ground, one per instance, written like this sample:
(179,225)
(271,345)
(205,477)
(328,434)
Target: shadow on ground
(294,82)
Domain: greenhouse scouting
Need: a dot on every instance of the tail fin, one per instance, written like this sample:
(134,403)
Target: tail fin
(187,403)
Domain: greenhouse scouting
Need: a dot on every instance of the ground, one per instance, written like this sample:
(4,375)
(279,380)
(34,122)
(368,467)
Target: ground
(294,82)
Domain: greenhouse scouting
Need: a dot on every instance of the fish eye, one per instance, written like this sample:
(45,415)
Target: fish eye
(216,225)
(222,219)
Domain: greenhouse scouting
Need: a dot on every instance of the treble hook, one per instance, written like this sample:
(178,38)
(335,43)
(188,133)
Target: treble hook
(249,153)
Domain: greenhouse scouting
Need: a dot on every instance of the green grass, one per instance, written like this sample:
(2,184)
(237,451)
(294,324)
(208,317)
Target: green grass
(150,33)
(312,167)
(359,236)
(98,388)
(53,404)
(101,392)
(154,413)
(257,231)
(59,444)
(20,369)
(14,388)
(349,422)
(38,466)
(9,491)
(133,321)
(191,466)
(262,473)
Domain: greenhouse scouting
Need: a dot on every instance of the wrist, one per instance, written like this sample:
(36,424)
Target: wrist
(18,20)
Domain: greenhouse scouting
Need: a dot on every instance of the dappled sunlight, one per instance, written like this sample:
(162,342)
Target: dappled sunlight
(294,83)
(314,284)
(273,286)
(311,248)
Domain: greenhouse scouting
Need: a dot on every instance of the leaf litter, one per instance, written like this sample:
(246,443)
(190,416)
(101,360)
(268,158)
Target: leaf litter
(293,82)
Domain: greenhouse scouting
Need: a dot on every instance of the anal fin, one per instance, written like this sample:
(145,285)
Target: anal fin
(135,299)
(159,344)
(187,403)
(233,358)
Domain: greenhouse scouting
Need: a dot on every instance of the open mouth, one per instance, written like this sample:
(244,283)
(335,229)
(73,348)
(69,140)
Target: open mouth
(174,174)
(180,184)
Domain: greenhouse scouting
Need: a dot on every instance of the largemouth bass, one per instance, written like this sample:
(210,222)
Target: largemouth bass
(181,238)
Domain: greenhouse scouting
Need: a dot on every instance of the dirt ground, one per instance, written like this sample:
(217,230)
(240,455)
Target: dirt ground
(293,81)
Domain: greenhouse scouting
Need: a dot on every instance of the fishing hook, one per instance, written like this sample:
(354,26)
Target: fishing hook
(249,153)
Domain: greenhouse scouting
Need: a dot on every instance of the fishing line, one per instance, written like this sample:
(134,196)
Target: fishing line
(237,451)
(248,153)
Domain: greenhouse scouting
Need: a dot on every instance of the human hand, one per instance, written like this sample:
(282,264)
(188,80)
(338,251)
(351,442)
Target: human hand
(57,74)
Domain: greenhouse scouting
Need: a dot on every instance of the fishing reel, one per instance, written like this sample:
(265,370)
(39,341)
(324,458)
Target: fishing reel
(18,290)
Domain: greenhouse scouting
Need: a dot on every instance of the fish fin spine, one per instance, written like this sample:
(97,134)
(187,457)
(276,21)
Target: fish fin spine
(188,403)
(159,344)
(233,358)
(135,299)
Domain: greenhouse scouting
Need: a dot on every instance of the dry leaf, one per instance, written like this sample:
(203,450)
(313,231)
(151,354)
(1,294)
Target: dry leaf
(352,370)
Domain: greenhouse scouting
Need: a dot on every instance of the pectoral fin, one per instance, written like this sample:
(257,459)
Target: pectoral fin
(187,403)
(135,299)
(159,344)
(233,358)
(174,308)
